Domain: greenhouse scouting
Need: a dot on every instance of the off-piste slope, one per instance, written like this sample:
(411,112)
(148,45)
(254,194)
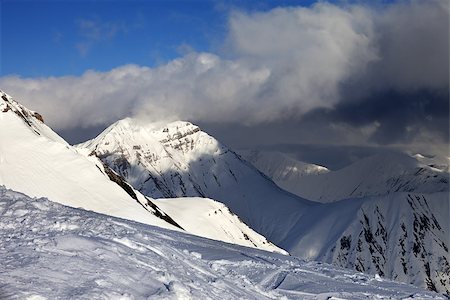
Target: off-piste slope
(36,161)
(211,219)
(180,160)
(403,236)
(104,257)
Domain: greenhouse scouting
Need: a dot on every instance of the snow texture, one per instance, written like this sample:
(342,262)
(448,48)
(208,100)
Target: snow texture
(50,251)
(404,236)
(211,219)
(284,170)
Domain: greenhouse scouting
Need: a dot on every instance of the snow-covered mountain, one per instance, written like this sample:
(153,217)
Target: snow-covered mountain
(372,176)
(179,160)
(284,170)
(404,236)
(36,161)
(109,258)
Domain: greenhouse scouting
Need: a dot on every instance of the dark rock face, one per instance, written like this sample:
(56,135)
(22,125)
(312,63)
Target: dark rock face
(27,116)
(113,176)
(408,244)
(39,117)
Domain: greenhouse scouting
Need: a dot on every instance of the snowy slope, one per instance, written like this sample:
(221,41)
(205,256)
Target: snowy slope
(211,219)
(281,166)
(436,161)
(110,258)
(284,170)
(397,235)
(39,163)
(376,175)
(403,236)
(178,159)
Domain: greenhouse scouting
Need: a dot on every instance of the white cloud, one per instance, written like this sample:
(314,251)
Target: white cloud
(310,51)
(198,86)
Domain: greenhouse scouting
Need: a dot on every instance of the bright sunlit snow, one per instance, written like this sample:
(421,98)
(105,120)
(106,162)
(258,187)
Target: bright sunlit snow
(55,252)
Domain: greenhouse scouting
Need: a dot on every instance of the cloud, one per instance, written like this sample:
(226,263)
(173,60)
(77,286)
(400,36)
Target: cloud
(413,42)
(400,116)
(198,86)
(353,73)
(310,51)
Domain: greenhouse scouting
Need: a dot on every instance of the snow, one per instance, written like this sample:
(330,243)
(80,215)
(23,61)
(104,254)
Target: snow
(379,230)
(212,219)
(36,161)
(280,166)
(383,235)
(404,236)
(180,160)
(95,256)
(372,176)
(438,162)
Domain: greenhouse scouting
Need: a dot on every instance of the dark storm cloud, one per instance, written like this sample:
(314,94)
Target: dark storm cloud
(334,157)
(79,135)
(405,92)
(298,139)
(413,46)
(398,116)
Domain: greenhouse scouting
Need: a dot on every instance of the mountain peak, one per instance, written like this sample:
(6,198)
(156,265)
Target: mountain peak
(179,160)
(9,104)
(13,115)
(154,126)
(131,135)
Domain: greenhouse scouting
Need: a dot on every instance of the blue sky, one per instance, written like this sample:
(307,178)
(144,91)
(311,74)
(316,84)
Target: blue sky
(54,38)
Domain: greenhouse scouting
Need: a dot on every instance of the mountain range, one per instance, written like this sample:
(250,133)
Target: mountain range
(375,175)
(384,215)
